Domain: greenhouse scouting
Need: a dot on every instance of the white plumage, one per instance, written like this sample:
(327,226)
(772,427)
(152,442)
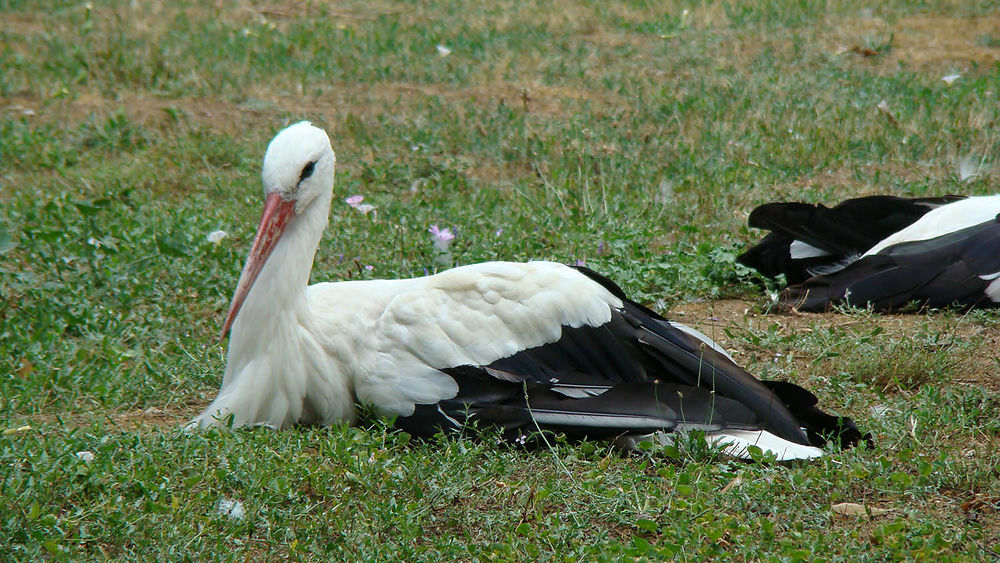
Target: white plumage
(524,346)
(939,221)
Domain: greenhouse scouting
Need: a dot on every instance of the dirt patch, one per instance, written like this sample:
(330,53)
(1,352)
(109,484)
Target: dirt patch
(163,418)
(140,108)
(262,104)
(923,41)
(715,318)
(22,23)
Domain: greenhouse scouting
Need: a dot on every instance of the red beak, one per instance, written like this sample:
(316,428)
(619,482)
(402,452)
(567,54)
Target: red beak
(272,224)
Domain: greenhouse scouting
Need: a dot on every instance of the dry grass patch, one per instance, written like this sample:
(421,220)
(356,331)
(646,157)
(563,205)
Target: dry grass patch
(164,417)
(963,340)
(142,108)
(849,180)
(927,40)
(263,103)
(923,41)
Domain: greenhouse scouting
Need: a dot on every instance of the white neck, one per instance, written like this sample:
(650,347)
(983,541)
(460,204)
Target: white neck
(277,371)
(277,298)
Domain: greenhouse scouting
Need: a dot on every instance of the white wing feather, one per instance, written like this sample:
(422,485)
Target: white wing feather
(733,442)
(471,315)
(943,220)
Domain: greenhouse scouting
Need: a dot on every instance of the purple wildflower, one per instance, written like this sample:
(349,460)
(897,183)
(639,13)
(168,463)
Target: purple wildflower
(442,240)
(444,236)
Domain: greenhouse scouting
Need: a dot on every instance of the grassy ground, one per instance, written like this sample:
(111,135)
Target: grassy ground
(635,136)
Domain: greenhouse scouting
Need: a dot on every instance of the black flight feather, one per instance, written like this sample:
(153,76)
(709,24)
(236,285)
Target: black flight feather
(843,232)
(630,376)
(948,270)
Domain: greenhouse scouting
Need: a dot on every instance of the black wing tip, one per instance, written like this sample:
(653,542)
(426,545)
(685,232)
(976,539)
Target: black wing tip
(821,428)
(842,431)
(603,281)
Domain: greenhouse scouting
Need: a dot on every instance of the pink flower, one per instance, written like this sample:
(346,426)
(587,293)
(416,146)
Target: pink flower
(355,202)
(442,237)
(442,240)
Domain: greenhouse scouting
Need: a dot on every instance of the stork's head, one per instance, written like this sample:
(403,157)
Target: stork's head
(298,168)
(298,165)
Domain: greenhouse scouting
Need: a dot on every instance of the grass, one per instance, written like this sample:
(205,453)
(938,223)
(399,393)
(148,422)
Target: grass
(635,136)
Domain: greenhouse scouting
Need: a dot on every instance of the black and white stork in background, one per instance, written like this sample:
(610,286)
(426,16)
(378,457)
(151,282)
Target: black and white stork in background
(882,251)
(529,347)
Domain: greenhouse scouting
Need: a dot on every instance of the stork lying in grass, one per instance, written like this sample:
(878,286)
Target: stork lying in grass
(529,347)
(882,252)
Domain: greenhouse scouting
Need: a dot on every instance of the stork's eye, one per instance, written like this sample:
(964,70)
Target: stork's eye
(307,171)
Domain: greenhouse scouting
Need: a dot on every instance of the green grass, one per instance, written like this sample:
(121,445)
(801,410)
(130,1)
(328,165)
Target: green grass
(634,136)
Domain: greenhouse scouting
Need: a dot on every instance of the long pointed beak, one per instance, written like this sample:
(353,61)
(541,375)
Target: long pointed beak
(272,224)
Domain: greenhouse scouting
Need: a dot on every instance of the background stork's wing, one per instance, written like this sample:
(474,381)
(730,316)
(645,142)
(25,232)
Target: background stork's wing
(960,268)
(833,235)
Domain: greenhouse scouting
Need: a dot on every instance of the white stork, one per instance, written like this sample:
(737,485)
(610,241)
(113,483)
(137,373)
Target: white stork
(882,251)
(530,347)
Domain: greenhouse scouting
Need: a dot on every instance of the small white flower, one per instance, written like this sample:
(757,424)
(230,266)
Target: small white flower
(443,51)
(215,237)
(951,78)
(968,168)
(85,456)
(665,190)
(365,208)
(231,508)
(96,243)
